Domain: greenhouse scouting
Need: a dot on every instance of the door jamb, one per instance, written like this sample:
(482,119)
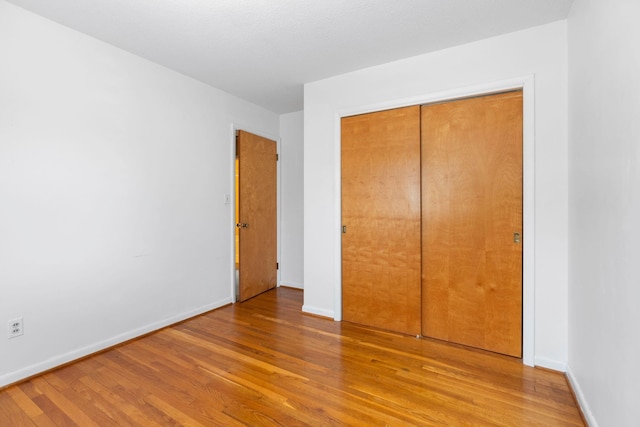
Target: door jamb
(526,84)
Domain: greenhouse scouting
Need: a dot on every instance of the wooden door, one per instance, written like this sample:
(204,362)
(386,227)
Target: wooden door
(471,220)
(381,216)
(257,214)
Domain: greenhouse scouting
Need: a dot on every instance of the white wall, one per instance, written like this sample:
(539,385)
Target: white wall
(291,199)
(112,177)
(604,210)
(540,52)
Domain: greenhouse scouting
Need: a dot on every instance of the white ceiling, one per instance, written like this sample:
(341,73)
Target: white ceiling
(265,50)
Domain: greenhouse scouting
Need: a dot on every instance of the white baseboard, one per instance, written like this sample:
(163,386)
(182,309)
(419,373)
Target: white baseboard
(292,285)
(53,362)
(582,401)
(550,364)
(317,311)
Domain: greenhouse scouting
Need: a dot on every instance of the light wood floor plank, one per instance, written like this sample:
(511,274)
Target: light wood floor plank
(264,363)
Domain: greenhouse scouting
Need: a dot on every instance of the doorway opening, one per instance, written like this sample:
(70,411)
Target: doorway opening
(255,215)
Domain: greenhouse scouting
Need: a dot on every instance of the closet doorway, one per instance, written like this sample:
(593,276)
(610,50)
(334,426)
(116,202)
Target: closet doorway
(468,178)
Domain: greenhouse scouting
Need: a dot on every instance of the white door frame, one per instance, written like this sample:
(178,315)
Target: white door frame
(526,83)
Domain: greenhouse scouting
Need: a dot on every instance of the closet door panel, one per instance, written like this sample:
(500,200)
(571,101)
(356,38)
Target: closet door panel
(472,222)
(381,216)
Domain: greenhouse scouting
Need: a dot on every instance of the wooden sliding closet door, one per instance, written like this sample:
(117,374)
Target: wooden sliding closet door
(472,222)
(381,219)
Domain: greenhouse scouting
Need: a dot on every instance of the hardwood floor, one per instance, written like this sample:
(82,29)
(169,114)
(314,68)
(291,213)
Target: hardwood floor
(263,362)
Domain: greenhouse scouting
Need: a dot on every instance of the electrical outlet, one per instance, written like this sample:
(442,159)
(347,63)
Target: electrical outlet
(15,328)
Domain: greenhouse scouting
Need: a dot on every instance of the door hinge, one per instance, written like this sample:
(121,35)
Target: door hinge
(277,157)
(277,266)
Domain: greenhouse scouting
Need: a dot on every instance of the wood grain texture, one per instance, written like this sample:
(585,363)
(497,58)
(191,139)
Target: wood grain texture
(264,363)
(381,210)
(257,208)
(471,208)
